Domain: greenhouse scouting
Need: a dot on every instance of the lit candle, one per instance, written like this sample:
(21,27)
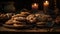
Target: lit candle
(46,3)
(35,6)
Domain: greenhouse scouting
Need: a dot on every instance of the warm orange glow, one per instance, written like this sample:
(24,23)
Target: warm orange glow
(35,6)
(46,3)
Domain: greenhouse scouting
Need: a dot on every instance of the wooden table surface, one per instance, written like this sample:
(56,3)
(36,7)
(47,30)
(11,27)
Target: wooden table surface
(2,29)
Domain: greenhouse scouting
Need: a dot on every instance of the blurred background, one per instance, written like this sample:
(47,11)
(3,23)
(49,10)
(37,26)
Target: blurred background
(20,4)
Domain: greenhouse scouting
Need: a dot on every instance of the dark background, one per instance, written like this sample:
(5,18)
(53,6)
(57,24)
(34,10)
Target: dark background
(20,4)
(27,3)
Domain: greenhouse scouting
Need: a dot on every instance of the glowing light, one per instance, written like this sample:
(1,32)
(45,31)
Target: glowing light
(35,6)
(46,3)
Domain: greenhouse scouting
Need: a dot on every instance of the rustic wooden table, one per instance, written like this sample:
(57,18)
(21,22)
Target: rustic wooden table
(25,30)
(54,29)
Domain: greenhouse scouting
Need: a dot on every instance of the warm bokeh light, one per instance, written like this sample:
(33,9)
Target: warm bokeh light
(34,6)
(46,3)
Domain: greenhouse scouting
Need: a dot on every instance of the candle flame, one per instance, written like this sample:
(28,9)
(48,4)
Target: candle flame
(35,4)
(46,3)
